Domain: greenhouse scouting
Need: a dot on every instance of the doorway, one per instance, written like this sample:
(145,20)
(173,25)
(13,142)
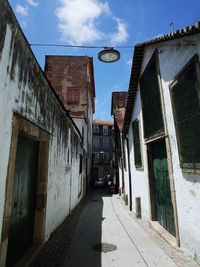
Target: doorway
(161,200)
(21,228)
(26,192)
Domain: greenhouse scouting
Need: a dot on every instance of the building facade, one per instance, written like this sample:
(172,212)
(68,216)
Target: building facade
(42,174)
(162,125)
(102,147)
(72,78)
(118,111)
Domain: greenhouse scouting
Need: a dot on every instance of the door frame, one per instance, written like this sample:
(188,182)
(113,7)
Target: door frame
(29,130)
(171,177)
(169,159)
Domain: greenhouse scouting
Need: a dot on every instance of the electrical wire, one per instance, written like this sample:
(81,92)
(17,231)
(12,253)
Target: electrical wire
(78,46)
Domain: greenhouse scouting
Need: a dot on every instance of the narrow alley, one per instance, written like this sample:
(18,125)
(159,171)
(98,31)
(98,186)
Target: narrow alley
(105,234)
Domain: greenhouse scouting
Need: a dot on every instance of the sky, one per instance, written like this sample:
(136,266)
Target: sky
(111,23)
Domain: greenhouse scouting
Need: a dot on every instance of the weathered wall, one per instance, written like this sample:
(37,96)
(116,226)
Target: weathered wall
(139,176)
(24,90)
(173,55)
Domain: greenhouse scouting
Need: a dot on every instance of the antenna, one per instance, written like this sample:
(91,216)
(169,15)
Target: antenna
(172,26)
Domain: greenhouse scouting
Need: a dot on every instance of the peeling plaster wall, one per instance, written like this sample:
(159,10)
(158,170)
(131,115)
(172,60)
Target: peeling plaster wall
(173,56)
(24,90)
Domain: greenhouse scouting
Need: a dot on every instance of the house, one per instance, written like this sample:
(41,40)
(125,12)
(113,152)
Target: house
(118,111)
(102,147)
(42,175)
(72,78)
(162,124)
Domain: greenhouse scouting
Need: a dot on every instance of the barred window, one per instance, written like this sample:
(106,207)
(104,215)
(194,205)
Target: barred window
(105,130)
(185,96)
(136,141)
(151,101)
(96,157)
(95,142)
(105,143)
(106,157)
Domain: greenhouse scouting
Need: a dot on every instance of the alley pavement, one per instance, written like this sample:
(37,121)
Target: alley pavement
(101,232)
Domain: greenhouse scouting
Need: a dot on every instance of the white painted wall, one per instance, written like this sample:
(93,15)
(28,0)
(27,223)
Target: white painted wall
(173,56)
(21,97)
(139,176)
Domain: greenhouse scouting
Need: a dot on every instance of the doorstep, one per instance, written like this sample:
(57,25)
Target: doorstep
(164,233)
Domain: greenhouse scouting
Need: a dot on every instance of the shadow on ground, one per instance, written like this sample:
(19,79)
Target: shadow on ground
(77,241)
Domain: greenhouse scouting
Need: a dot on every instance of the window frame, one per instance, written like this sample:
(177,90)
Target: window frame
(96,157)
(95,142)
(105,127)
(106,157)
(140,164)
(76,95)
(95,128)
(159,133)
(107,142)
(186,166)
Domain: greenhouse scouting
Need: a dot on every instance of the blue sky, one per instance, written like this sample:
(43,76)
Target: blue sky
(101,23)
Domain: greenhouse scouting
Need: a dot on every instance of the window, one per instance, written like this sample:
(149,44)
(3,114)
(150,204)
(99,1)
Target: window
(106,157)
(151,101)
(96,157)
(136,142)
(95,128)
(72,95)
(95,142)
(105,143)
(185,95)
(105,130)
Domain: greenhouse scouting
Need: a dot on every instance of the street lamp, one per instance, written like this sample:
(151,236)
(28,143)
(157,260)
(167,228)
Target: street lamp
(109,55)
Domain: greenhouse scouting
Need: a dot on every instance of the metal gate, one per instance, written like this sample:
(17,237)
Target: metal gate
(163,202)
(20,236)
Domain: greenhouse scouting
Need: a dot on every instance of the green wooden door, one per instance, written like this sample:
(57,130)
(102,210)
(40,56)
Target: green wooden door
(164,208)
(23,205)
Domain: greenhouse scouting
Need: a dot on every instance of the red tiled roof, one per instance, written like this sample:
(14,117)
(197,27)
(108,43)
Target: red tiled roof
(102,122)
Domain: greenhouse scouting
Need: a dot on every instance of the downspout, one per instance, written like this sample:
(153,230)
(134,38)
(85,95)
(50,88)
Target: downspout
(129,172)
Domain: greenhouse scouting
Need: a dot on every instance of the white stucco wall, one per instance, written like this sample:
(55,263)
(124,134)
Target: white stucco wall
(39,106)
(173,55)
(139,176)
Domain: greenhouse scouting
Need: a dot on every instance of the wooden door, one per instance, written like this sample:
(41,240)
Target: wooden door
(163,202)
(20,236)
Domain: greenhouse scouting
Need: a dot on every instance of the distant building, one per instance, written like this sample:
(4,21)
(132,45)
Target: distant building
(72,78)
(118,111)
(102,147)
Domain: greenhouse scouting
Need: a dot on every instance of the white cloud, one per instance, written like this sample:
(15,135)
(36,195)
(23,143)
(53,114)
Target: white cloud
(21,10)
(78,22)
(121,35)
(32,2)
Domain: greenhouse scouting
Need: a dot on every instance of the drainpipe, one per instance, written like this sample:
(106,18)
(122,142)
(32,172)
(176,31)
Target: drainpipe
(129,172)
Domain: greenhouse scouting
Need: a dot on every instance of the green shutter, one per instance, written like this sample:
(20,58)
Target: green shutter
(186,108)
(151,101)
(136,141)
